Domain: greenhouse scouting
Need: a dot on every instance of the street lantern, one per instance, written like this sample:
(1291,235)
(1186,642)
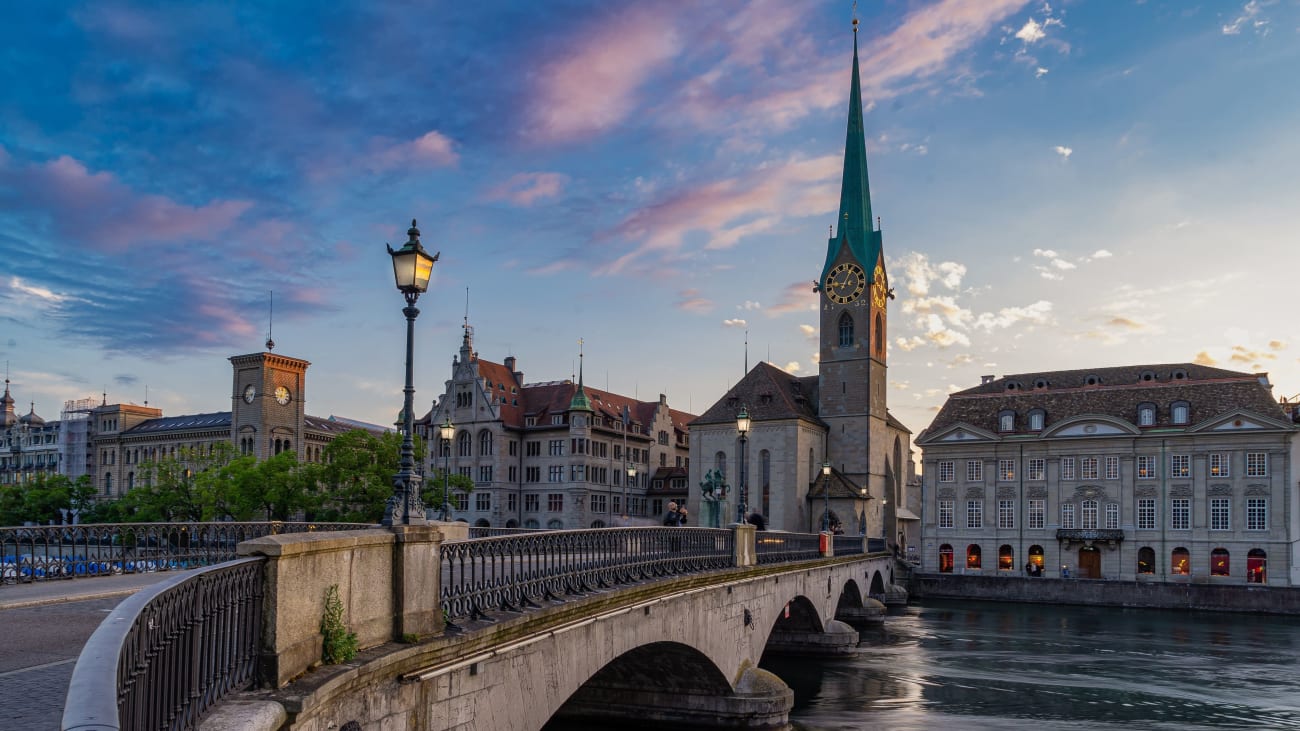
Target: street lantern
(884,529)
(826,497)
(742,428)
(862,519)
(447,432)
(412,267)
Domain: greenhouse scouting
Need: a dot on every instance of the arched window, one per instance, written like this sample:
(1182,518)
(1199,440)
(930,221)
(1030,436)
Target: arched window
(720,463)
(1006,558)
(555,524)
(1180,562)
(1006,421)
(1146,560)
(485,443)
(846,330)
(945,559)
(1256,567)
(1219,562)
(444,447)
(814,469)
(482,523)
(1036,419)
(765,471)
(130,480)
(532,524)
(973,556)
(1146,415)
(464,444)
(108,483)
(1180,412)
(1036,556)
(1089,511)
(597,524)
(880,334)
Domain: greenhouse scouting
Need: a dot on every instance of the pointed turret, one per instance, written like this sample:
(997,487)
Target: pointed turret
(854,221)
(7,415)
(580,402)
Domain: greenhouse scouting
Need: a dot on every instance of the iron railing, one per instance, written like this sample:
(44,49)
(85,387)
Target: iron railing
(478,532)
(770,547)
(849,545)
(876,545)
(509,573)
(42,553)
(167,654)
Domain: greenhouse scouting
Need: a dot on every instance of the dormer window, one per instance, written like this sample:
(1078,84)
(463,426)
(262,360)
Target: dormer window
(1147,415)
(1013,386)
(1147,376)
(1180,412)
(1041,383)
(1179,375)
(1092,381)
(1036,418)
(1006,421)
(557,419)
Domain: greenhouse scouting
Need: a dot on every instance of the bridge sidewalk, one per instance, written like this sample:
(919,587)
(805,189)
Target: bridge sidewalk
(40,593)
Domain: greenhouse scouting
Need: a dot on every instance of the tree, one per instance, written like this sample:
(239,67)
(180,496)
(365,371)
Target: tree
(433,495)
(45,499)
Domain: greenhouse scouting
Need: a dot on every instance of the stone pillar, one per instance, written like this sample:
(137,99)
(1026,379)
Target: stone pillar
(743,551)
(828,544)
(837,639)
(761,700)
(416,577)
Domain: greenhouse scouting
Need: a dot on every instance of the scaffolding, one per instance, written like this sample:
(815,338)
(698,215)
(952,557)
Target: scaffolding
(75,434)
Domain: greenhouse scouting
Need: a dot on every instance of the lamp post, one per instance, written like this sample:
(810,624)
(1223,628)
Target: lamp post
(826,497)
(742,428)
(862,516)
(412,267)
(884,529)
(446,431)
(631,475)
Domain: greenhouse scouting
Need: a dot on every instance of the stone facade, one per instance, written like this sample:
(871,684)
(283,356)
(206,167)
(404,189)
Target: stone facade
(1150,473)
(29,445)
(553,454)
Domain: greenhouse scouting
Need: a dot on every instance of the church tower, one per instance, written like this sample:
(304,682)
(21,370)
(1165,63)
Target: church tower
(269,404)
(854,294)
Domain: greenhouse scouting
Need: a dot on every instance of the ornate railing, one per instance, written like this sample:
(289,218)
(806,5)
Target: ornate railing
(168,653)
(478,532)
(43,553)
(876,545)
(781,547)
(513,572)
(849,545)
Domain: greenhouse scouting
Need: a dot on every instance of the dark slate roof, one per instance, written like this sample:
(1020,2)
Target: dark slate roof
(339,425)
(841,486)
(214,420)
(1115,392)
(767,393)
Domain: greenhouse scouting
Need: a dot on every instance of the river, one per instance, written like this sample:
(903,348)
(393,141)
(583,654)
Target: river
(974,665)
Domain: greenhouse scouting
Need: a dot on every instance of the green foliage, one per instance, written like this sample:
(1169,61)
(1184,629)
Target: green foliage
(43,499)
(433,493)
(340,645)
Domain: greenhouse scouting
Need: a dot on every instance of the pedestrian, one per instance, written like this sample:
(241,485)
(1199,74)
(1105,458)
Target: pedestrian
(1029,568)
(681,516)
(672,518)
(757,520)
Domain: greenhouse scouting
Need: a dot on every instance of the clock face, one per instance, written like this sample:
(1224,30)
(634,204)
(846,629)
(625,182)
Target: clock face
(250,392)
(845,283)
(282,395)
(879,289)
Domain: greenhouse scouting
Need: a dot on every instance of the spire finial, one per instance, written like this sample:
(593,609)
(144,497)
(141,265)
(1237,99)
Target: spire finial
(270,319)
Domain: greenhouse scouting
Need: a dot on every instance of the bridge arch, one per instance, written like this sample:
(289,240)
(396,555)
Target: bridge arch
(877,585)
(850,597)
(649,676)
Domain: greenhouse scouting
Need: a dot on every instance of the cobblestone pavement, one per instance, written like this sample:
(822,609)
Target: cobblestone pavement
(41,645)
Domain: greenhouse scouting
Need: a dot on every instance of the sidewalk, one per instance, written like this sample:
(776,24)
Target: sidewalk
(37,593)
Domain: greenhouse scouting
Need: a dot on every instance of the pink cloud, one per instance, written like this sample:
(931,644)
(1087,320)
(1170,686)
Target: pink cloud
(797,297)
(693,301)
(432,148)
(593,87)
(98,209)
(523,189)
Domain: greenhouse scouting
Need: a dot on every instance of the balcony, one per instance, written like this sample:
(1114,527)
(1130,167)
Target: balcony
(1089,537)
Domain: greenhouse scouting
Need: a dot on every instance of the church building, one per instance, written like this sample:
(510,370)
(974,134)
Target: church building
(826,433)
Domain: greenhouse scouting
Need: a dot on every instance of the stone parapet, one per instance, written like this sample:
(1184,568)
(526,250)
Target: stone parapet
(744,552)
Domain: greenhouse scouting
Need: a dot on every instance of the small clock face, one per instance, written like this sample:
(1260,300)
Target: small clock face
(250,392)
(282,395)
(879,288)
(845,283)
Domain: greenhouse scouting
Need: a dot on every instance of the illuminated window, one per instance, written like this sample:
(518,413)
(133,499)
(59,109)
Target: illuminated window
(1219,562)
(973,556)
(1180,562)
(1219,465)
(1006,558)
(945,559)
(1146,560)
(1146,467)
(1180,465)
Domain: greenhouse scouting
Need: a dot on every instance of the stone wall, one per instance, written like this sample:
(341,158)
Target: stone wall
(1147,595)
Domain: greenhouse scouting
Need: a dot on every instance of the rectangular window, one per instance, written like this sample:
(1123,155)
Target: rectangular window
(1256,513)
(1257,464)
(555,502)
(1067,468)
(1037,513)
(945,471)
(555,448)
(1220,513)
(556,473)
(1089,514)
(557,419)
(513,474)
(1006,470)
(578,473)
(1146,513)
(1146,467)
(533,449)
(1067,516)
(512,502)
(1006,514)
(616,503)
(1112,516)
(975,470)
(1036,469)
(485,473)
(945,513)
(513,448)
(974,514)
(1088,468)
(1180,465)
(460,501)
(597,503)
(1112,468)
(1218,465)
(1180,513)
(482,501)
(532,474)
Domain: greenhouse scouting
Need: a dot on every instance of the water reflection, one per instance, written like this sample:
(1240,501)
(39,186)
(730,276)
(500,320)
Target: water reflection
(996,666)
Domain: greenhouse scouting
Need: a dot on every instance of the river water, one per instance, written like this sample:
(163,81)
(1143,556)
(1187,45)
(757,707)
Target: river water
(980,665)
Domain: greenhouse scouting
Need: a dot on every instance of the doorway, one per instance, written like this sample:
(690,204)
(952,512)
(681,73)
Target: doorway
(1089,563)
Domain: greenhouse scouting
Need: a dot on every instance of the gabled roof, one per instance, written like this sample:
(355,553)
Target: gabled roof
(1115,392)
(767,393)
(840,487)
(214,420)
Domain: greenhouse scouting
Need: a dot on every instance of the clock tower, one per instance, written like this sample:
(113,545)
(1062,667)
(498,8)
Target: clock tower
(268,404)
(854,294)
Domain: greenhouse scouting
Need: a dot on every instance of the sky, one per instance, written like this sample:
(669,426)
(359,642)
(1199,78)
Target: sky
(1081,184)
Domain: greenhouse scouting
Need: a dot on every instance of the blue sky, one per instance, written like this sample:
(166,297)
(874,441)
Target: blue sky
(1070,185)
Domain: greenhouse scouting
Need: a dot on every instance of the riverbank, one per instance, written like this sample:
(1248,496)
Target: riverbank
(1255,599)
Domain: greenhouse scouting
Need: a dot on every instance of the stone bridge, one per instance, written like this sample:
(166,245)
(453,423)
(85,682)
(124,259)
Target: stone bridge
(675,638)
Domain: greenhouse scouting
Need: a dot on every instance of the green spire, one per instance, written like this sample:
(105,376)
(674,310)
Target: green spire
(580,401)
(854,221)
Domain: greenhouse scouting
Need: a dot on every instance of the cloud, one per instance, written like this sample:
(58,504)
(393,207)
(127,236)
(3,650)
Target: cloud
(1038,313)
(1126,323)
(1040,72)
(797,297)
(1064,152)
(593,85)
(1101,254)
(961,360)
(749,305)
(1204,358)
(809,331)
(524,189)
(1055,265)
(1276,345)
(1244,354)
(690,300)
(792,367)
(34,292)
(431,148)
(1249,18)
(737,323)
(124,379)
(1031,32)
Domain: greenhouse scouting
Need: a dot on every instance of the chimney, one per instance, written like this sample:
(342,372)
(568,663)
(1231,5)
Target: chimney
(510,363)
(663,400)
(986,379)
